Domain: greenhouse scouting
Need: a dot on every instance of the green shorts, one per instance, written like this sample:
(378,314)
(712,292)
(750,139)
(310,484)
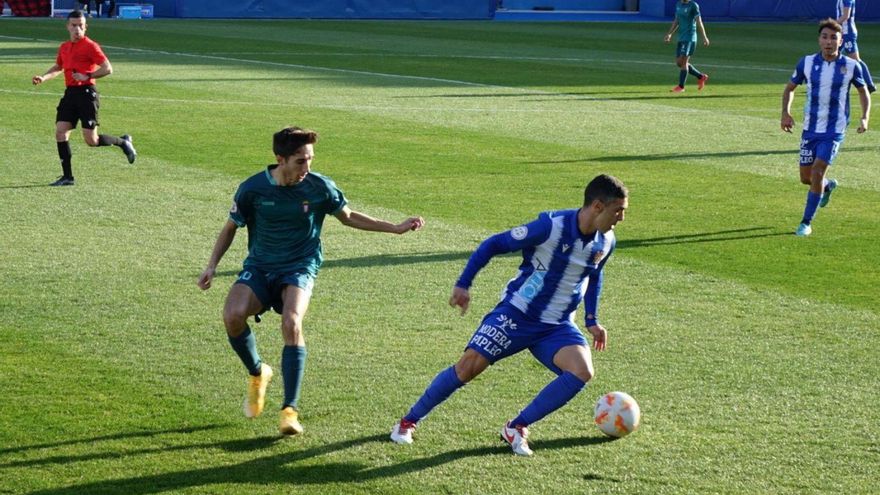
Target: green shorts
(685,48)
(269,286)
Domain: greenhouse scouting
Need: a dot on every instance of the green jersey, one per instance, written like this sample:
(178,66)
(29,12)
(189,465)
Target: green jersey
(686,14)
(284,222)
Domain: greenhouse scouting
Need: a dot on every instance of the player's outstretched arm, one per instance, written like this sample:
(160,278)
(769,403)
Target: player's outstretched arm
(702,31)
(787,121)
(49,74)
(865,101)
(600,336)
(672,29)
(844,15)
(224,240)
(461,298)
(103,70)
(361,221)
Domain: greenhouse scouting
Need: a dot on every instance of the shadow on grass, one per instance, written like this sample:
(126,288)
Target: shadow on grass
(104,438)
(381,260)
(283,468)
(593,96)
(396,259)
(677,156)
(23,186)
(247,445)
(720,235)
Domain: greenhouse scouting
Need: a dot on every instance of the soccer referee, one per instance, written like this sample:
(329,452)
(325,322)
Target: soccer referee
(82,61)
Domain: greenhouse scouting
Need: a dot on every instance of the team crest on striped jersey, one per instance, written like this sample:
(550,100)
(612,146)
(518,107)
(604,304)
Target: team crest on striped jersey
(598,257)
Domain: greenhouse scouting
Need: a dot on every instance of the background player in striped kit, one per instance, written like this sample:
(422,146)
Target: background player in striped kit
(846,16)
(828,75)
(563,256)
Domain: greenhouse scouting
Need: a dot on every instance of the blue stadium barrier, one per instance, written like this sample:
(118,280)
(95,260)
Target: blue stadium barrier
(866,10)
(338,9)
(610,5)
(763,9)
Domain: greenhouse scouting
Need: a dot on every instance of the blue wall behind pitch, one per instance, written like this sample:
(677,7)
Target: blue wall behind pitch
(482,9)
(763,9)
(335,9)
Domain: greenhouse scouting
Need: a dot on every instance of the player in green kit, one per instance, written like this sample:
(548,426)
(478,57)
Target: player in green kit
(687,20)
(283,208)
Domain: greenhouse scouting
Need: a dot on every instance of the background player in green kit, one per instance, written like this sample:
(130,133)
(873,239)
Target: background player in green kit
(283,208)
(687,20)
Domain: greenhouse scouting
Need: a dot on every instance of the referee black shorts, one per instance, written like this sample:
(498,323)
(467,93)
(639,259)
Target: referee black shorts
(79,103)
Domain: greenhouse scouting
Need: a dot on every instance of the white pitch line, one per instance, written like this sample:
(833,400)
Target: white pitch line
(385,108)
(406,55)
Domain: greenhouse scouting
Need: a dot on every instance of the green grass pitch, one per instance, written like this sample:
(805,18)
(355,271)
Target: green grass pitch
(754,355)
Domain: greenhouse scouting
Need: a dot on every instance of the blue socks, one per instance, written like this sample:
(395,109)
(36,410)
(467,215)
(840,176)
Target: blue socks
(555,395)
(293,364)
(439,390)
(811,207)
(245,345)
(682,76)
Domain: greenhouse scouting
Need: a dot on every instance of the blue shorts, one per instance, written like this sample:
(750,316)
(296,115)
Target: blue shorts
(823,148)
(506,331)
(850,44)
(685,48)
(268,286)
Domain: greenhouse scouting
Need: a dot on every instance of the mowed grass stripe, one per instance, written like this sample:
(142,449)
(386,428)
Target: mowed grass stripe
(483,154)
(701,329)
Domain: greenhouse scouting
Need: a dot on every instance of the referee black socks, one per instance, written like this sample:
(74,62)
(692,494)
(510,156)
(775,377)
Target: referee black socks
(64,154)
(107,140)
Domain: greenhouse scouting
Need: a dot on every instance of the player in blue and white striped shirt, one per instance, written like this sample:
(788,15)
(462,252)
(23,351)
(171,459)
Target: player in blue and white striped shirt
(828,75)
(563,253)
(846,16)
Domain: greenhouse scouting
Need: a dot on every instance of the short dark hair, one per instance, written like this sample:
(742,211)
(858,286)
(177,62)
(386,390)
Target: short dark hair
(831,24)
(605,188)
(286,141)
(76,14)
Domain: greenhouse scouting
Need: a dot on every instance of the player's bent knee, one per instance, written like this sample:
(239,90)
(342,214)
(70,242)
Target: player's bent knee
(583,374)
(292,331)
(234,321)
(470,365)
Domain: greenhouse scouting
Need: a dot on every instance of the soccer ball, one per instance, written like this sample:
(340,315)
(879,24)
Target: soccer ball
(617,414)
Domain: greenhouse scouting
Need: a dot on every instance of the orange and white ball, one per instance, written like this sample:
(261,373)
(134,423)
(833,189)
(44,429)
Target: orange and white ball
(617,414)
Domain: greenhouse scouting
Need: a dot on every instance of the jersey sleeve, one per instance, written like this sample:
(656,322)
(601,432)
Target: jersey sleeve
(696,10)
(241,208)
(515,239)
(58,60)
(798,77)
(336,199)
(858,79)
(97,54)
(594,290)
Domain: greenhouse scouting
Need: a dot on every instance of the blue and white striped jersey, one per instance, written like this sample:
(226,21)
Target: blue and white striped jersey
(849,27)
(560,267)
(826,110)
